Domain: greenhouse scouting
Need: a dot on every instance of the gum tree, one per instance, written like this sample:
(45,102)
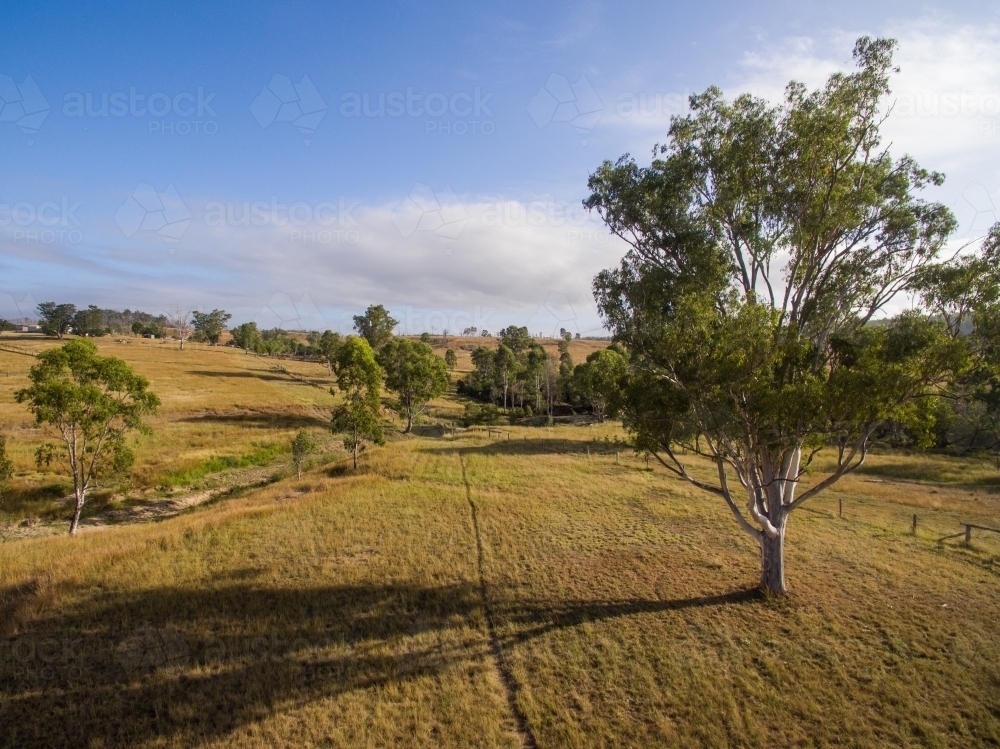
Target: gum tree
(964,292)
(209,326)
(303,446)
(359,379)
(414,373)
(93,402)
(765,245)
(375,325)
(6,467)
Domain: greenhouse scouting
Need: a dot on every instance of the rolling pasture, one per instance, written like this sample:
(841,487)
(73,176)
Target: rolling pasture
(547,588)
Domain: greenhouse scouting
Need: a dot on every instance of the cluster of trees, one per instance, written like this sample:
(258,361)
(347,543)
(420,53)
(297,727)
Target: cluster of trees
(59,320)
(521,378)
(518,375)
(766,245)
(363,363)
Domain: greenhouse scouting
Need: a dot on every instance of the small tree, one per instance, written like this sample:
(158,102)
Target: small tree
(55,319)
(302,447)
(247,336)
(600,381)
(359,379)
(5,325)
(6,467)
(375,326)
(328,345)
(505,368)
(450,359)
(414,373)
(93,402)
(180,320)
(209,326)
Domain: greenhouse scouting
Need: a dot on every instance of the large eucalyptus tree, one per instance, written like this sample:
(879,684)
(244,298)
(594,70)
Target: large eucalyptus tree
(766,246)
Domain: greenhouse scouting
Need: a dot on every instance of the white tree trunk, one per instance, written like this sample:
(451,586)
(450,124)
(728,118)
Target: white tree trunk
(772,561)
(81,496)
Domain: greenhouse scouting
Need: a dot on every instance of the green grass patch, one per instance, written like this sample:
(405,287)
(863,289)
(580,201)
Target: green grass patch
(262,455)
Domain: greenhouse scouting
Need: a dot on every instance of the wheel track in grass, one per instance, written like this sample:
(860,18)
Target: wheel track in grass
(502,667)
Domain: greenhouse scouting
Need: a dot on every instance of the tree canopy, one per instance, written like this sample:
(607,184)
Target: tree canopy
(55,319)
(92,402)
(414,373)
(375,325)
(209,326)
(763,242)
(359,380)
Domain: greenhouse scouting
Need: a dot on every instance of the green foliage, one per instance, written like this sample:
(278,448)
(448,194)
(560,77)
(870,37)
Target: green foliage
(328,345)
(92,402)
(516,339)
(414,373)
(246,336)
(209,326)
(480,413)
(965,293)
(450,359)
(359,380)
(5,325)
(303,446)
(375,326)
(425,337)
(739,358)
(6,466)
(55,319)
(601,381)
(89,322)
(260,456)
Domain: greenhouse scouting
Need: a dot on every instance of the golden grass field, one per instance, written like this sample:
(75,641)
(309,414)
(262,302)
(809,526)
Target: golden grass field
(464,591)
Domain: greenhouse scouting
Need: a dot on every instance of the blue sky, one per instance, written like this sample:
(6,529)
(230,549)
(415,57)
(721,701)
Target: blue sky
(295,162)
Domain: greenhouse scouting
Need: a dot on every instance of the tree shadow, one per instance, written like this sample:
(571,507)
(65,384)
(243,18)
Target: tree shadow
(522,446)
(191,664)
(239,374)
(261,420)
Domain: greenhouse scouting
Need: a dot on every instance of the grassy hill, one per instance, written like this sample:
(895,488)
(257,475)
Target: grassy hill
(536,590)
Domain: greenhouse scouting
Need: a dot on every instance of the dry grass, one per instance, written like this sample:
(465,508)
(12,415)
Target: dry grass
(346,609)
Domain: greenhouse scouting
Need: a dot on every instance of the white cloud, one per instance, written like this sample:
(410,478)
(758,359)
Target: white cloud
(514,262)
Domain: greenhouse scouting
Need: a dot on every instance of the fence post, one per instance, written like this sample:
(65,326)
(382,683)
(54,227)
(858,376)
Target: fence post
(616,457)
(840,506)
(914,528)
(588,451)
(968,534)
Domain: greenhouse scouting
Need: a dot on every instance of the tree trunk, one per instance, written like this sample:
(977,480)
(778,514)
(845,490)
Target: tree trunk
(409,421)
(298,469)
(355,455)
(772,555)
(75,523)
